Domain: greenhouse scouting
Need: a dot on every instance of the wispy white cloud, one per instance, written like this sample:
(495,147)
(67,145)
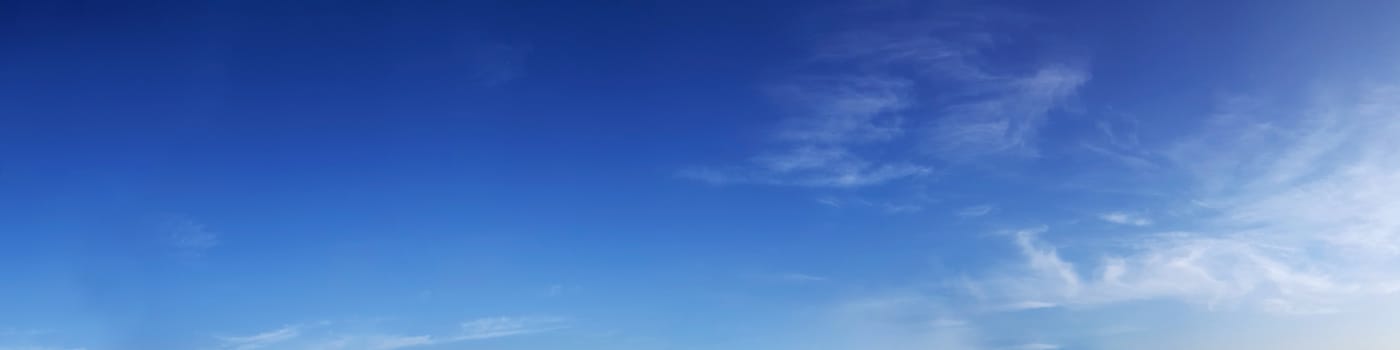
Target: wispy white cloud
(872,122)
(327,336)
(555,290)
(831,166)
(496,327)
(811,167)
(1301,219)
(1122,157)
(1120,143)
(976,210)
(189,238)
(829,201)
(894,322)
(372,342)
(1027,305)
(1125,218)
(1006,120)
(1036,346)
(845,110)
(1046,266)
(801,277)
(31,339)
(22,332)
(36,347)
(902,206)
(260,340)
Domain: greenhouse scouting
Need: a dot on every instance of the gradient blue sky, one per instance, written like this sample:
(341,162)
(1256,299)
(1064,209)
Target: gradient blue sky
(741,175)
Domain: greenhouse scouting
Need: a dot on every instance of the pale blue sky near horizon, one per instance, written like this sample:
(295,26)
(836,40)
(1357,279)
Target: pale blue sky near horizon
(634,175)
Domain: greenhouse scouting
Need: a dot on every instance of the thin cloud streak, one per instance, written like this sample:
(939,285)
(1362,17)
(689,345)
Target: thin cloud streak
(975,211)
(327,336)
(802,278)
(1287,239)
(1036,346)
(497,327)
(260,340)
(189,238)
(870,123)
(1123,218)
(1006,122)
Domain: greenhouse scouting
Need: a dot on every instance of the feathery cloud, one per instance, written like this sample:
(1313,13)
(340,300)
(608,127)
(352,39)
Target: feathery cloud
(871,122)
(1123,218)
(976,210)
(496,327)
(1305,224)
(260,340)
(327,336)
(189,238)
(1005,121)
(801,277)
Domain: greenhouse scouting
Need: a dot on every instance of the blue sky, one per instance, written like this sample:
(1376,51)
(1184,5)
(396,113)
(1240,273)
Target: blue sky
(630,175)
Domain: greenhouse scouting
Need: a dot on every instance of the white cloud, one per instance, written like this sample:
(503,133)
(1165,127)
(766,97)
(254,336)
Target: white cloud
(1008,119)
(555,290)
(329,336)
(843,110)
(1120,143)
(829,201)
(372,342)
(1123,218)
(851,127)
(189,238)
(892,322)
(1122,157)
(1301,219)
(496,327)
(22,332)
(976,210)
(1036,346)
(801,277)
(811,167)
(1045,264)
(1028,305)
(829,166)
(260,340)
(399,341)
(31,339)
(948,323)
(902,208)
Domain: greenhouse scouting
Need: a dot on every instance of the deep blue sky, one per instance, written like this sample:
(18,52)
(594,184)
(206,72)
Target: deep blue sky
(858,175)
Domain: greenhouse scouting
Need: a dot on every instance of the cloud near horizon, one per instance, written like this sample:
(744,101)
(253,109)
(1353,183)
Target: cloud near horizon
(1284,241)
(331,336)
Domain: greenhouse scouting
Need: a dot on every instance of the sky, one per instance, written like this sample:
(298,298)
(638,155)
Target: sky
(672,175)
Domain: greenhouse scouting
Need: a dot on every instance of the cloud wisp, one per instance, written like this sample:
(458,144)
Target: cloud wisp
(189,238)
(327,336)
(31,339)
(976,211)
(898,100)
(1005,121)
(1303,227)
(1286,218)
(260,340)
(1125,218)
(797,277)
(497,327)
